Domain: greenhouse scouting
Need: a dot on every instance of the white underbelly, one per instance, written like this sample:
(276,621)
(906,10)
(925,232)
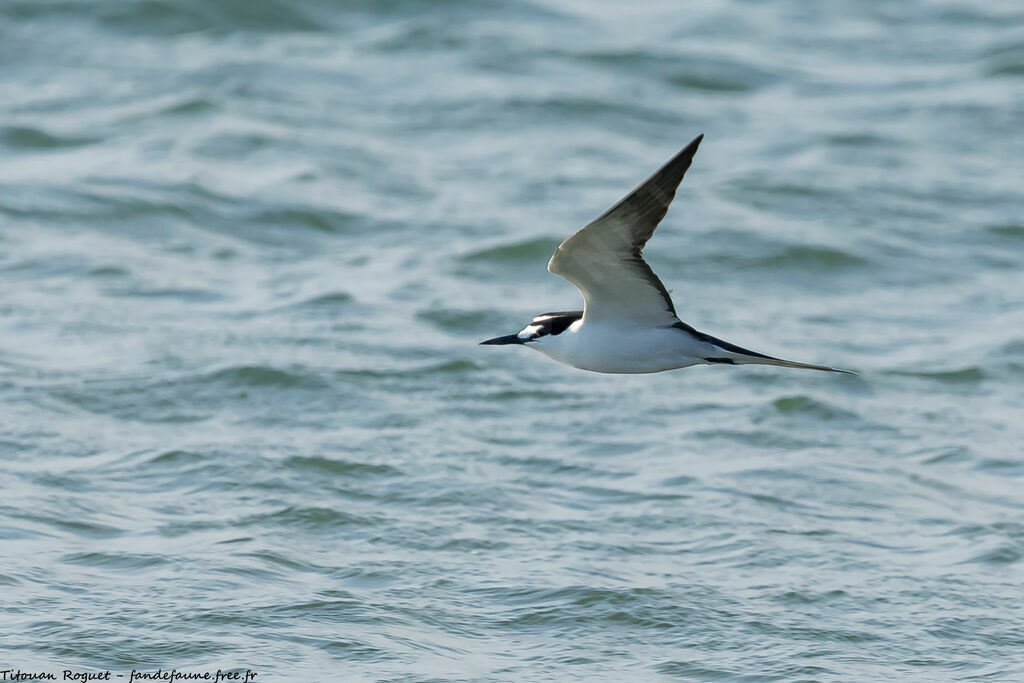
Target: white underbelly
(613,350)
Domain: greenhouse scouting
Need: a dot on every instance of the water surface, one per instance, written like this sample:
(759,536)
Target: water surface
(246,253)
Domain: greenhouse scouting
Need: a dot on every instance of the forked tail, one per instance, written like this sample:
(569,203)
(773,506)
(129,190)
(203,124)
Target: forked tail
(792,364)
(730,354)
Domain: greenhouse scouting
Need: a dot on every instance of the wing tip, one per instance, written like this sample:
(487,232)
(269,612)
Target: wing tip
(685,156)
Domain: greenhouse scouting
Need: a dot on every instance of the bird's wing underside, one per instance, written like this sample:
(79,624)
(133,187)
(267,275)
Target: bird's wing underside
(603,259)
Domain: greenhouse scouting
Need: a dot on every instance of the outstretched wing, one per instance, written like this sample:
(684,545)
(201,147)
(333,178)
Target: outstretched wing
(603,259)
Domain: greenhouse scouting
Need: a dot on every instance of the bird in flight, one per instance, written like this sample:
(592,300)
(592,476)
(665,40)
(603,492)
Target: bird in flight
(628,323)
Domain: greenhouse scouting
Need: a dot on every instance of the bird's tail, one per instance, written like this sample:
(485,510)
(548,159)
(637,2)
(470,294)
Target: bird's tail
(756,360)
(731,354)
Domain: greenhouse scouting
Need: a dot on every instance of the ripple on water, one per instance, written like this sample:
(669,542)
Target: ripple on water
(806,406)
(331,302)
(562,610)
(182,294)
(93,530)
(355,651)
(699,72)
(1008,231)
(1006,61)
(526,395)
(756,438)
(790,265)
(536,464)
(232,146)
(1001,555)
(970,374)
(946,455)
(117,561)
(177,458)
(477,321)
(1001,466)
(195,397)
(267,376)
(109,272)
(346,468)
(276,559)
(310,519)
(25,138)
(161,17)
(807,258)
(861,139)
(175,470)
(809,199)
(514,253)
(720,75)
(319,219)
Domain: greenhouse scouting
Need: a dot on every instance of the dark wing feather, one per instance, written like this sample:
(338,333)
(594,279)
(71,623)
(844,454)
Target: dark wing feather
(604,260)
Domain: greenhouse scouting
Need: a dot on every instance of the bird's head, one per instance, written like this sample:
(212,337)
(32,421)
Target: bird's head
(542,326)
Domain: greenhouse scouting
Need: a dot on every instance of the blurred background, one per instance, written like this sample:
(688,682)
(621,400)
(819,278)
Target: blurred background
(247,249)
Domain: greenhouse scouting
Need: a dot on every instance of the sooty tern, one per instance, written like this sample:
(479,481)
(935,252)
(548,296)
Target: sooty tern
(628,323)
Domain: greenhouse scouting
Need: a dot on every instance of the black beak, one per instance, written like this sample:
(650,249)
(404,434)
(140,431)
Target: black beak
(507,339)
